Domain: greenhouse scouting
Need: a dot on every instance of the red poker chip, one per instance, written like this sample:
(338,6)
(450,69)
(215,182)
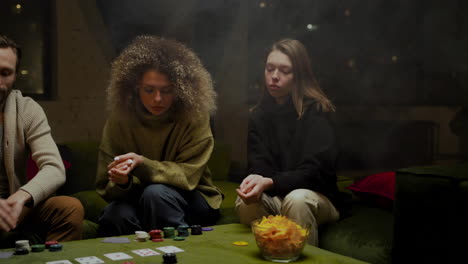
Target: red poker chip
(48,243)
(157,240)
(156,231)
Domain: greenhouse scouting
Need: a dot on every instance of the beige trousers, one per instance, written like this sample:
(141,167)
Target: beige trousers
(303,206)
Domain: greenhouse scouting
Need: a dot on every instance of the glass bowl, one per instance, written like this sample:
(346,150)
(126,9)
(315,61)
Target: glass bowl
(280,243)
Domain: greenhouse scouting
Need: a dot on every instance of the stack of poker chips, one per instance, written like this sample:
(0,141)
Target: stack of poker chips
(156,235)
(182,231)
(196,230)
(169,232)
(22,247)
(38,248)
(169,258)
(49,243)
(55,247)
(141,236)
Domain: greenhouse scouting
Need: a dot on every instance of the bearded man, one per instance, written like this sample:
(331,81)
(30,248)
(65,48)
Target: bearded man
(29,205)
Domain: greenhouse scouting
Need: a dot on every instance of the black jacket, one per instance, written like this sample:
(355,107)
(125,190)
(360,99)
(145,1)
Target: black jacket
(295,153)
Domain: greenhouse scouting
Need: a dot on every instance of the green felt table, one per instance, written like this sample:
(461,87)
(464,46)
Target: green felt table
(211,247)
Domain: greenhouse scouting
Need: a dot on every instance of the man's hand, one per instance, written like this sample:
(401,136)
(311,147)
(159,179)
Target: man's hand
(7,222)
(252,187)
(122,165)
(11,209)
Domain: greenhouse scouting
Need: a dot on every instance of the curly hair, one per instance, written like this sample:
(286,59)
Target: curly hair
(192,83)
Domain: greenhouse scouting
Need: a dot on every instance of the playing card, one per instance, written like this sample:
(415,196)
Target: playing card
(170,249)
(145,252)
(116,240)
(59,262)
(89,260)
(118,256)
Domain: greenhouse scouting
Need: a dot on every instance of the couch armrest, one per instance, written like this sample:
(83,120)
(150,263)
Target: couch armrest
(430,215)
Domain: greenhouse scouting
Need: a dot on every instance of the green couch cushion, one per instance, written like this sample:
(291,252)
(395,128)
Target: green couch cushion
(365,235)
(92,203)
(228,213)
(90,229)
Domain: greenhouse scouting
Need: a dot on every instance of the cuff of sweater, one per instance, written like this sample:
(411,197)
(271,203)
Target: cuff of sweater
(146,170)
(37,195)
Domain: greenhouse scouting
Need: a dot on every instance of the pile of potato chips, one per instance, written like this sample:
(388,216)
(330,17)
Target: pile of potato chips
(279,237)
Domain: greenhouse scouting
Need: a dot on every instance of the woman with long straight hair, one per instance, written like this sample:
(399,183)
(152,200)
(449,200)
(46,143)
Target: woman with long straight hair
(291,145)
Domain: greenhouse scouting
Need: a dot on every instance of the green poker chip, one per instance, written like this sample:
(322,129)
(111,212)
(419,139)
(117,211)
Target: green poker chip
(179,238)
(37,248)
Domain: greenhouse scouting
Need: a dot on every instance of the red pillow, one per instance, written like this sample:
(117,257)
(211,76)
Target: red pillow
(378,189)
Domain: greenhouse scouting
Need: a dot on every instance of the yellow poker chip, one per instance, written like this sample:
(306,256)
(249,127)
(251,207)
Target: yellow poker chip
(240,243)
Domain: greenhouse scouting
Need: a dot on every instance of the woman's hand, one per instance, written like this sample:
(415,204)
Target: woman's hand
(252,187)
(122,165)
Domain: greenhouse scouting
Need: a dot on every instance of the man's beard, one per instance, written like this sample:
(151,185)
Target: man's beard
(4,95)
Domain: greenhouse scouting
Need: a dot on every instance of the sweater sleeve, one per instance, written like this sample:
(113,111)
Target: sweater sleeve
(108,149)
(188,167)
(44,152)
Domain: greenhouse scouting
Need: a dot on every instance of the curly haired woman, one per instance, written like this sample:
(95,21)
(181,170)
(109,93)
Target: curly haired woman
(155,146)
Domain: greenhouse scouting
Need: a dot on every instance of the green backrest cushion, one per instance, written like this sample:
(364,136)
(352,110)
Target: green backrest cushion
(220,161)
(455,172)
(83,167)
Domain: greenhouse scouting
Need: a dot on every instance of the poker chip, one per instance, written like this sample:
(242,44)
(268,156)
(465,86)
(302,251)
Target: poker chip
(156,235)
(196,230)
(207,229)
(23,244)
(49,243)
(179,238)
(240,243)
(55,247)
(182,231)
(21,251)
(37,248)
(169,258)
(169,232)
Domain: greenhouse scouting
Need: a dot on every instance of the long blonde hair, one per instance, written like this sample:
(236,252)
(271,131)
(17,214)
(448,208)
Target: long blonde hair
(306,90)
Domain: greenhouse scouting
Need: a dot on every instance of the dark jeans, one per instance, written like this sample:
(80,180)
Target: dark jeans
(159,206)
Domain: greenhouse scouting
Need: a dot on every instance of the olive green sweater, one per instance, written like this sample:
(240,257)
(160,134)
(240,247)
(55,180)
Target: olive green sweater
(175,153)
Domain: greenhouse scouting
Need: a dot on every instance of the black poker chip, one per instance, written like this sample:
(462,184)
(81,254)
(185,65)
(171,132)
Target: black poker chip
(169,258)
(196,230)
(56,247)
(21,251)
